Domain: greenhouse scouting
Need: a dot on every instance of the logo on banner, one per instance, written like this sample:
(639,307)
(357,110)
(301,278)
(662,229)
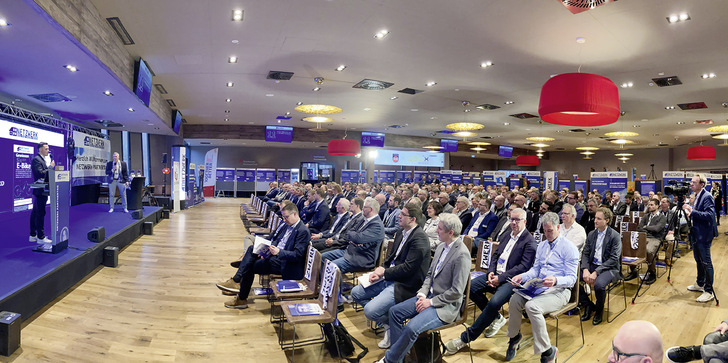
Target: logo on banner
(93,142)
(22,149)
(26,134)
(395,158)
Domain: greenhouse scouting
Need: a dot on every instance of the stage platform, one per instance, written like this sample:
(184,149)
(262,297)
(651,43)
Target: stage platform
(30,280)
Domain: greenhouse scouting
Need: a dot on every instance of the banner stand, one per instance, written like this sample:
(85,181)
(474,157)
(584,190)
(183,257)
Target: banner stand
(60,196)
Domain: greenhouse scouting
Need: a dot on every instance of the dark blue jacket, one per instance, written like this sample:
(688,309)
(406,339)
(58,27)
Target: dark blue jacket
(486,227)
(293,256)
(319,217)
(703,218)
(521,257)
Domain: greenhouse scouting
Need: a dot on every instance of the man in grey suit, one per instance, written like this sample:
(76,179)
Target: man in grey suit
(391,216)
(439,299)
(401,274)
(653,224)
(363,245)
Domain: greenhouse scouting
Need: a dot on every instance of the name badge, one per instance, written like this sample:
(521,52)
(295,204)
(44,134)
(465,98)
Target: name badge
(595,261)
(501,261)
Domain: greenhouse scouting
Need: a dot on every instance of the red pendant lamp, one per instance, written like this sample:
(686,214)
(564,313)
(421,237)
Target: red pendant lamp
(579,99)
(701,153)
(527,160)
(344,147)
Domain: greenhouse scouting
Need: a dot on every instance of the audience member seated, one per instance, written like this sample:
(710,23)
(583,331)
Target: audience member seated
(713,350)
(285,256)
(503,226)
(391,216)
(600,264)
(482,224)
(463,211)
(439,299)
(617,207)
(514,256)
(401,274)
(639,339)
(587,219)
(338,240)
(572,231)
(653,224)
(340,218)
(444,199)
(434,209)
(363,244)
(556,263)
(319,212)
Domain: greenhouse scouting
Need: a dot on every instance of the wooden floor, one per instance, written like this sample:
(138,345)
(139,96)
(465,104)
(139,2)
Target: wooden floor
(161,305)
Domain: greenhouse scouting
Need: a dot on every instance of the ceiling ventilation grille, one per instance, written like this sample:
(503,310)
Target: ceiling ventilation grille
(120,30)
(280,75)
(51,97)
(109,123)
(410,91)
(171,103)
(578,6)
(372,85)
(160,88)
(667,81)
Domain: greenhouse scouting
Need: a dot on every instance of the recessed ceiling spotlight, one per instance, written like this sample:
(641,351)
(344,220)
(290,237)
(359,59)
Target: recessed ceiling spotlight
(433,118)
(130,109)
(707,75)
(279,121)
(367,109)
(466,110)
(669,107)
(414,109)
(381,34)
(4,23)
(635,126)
(227,111)
(316,89)
(581,40)
(508,102)
(230,84)
(299,103)
(430,84)
(681,122)
(627,85)
(238,15)
(232,59)
(71,68)
(227,119)
(486,64)
(269,95)
(228,100)
(506,123)
(108,93)
(393,98)
(674,18)
(340,68)
(235,41)
(288,113)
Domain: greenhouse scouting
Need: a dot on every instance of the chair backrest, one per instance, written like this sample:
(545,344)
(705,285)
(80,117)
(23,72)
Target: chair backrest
(252,198)
(383,248)
(466,300)
(468,241)
(485,251)
(330,278)
(313,268)
(629,250)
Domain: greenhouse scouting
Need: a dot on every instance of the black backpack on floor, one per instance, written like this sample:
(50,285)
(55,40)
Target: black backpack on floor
(336,332)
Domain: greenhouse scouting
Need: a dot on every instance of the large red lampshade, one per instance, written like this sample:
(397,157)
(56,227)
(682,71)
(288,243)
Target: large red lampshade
(701,153)
(579,99)
(527,160)
(344,147)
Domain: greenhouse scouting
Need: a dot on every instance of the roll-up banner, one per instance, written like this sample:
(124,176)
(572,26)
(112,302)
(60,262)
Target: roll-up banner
(192,185)
(647,186)
(467,178)
(713,178)
(92,153)
(386,176)
(284,175)
(375,175)
(564,184)
(265,175)
(514,182)
(457,176)
(668,176)
(550,178)
(208,186)
(295,175)
(600,181)
(583,185)
(349,175)
(179,178)
(534,179)
(445,176)
(476,178)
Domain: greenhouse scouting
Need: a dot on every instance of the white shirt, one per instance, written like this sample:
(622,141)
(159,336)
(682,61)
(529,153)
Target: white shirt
(431,231)
(575,234)
(473,232)
(599,247)
(503,259)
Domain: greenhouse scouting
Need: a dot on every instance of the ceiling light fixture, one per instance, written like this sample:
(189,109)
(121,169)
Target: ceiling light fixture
(71,68)
(721,137)
(540,138)
(478,149)
(479,143)
(587,148)
(340,68)
(230,84)
(621,134)
(228,100)
(622,141)
(587,153)
(619,155)
(108,93)
(540,145)
(318,109)
(381,34)
(486,64)
(675,18)
(508,102)
(433,147)
(579,99)
(317,119)
(316,89)
(701,153)
(430,83)
(669,107)
(393,98)
(464,126)
(627,85)
(721,128)
(232,59)
(130,109)
(4,22)
(707,75)
(464,134)
(238,15)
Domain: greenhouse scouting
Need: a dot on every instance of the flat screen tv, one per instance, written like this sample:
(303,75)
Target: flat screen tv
(375,139)
(449,145)
(176,121)
(279,133)
(505,151)
(143,81)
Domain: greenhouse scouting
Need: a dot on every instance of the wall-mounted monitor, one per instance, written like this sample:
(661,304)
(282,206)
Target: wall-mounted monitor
(176,121)
(143,81)
(375,139)
(505,151)
(279,133)
(449,145)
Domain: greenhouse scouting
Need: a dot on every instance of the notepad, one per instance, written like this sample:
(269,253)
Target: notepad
(364,280)
(305,309)
(289,286)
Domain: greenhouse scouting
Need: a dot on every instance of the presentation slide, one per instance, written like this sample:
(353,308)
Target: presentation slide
(92,154)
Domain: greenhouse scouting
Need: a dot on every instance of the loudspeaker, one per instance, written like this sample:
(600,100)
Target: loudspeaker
(9,332)
(111,256)
(137,214)
(164,158)
(165,213)
(97,234)
(148,228)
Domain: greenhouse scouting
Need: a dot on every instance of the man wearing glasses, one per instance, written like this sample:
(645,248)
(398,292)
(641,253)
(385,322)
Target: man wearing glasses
(482,224)
(703,231)
(637,341)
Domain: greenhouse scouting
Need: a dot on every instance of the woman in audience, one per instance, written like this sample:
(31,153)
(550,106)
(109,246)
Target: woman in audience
(433,212)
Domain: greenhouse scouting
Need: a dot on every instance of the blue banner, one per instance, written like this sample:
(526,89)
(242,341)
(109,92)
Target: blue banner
(351,176)
(600,181)
(284,175)
(376,176)
(668,176)
(647,186)
(265,175)
(514,183)
(386,176)
(581,184)
(457,176)
(534,179)
(245,175)
(225,174)
(565,184)
(404,176)
(445,176)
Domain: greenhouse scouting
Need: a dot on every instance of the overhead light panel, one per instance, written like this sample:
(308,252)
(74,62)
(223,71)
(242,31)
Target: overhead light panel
(676,18)
(232,59)
(707,75)
(230,84)
(238,15)
(486,64)
(108,93)
(228,100)
(340,68)
(4,23)
(381,34)
(71,68)
(430,84)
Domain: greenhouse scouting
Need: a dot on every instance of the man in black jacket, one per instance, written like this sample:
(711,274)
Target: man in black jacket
(401,274)
(118,178)
(39,169)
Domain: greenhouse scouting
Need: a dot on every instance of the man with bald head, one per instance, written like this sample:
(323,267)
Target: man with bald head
(637,341)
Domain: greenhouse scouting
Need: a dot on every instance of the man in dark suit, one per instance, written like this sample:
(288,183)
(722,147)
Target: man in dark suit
(364,244)
(272,191)
(463,211)
(319,212)
(335,194)
(401,274)
(482,224)
(514,256)
(285,256)
(587,219)
(520,201)
(117,176)
(653,224)
(600,264)
(617,207)
(391,216)
(703,231)
(338,240)
(39,168)
(339,220)
(534,202)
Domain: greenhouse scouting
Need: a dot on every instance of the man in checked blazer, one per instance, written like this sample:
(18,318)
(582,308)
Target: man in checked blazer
(439,299)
